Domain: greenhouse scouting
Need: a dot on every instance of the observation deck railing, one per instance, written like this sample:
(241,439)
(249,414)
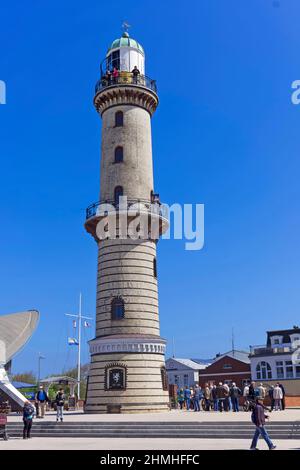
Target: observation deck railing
(125,78)
(138,205)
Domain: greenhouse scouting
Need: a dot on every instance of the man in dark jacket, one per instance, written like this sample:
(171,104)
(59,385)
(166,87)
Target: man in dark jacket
(60,401)
(272,401)
(235,393)
(252,391)
(28,412)
(259,420)
(135,73)
(41,399)
(283,397)
(221,396)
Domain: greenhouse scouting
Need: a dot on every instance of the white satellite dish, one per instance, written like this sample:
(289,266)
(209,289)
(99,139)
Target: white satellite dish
(15,330)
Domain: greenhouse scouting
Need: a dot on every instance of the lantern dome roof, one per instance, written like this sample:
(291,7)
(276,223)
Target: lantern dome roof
(125,41)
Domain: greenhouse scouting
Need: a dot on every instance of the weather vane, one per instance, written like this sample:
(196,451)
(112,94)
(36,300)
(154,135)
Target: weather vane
(126,26)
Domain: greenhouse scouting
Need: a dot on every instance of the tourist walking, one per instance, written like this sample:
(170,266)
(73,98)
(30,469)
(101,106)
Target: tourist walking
(187,398)
(197,397)
(258,418)
(28,413)
(180,397)
(41,399)
(277,395)
(235,393)
(60,401)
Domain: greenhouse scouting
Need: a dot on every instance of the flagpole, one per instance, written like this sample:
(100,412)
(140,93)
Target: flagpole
(79,317)
(79,347)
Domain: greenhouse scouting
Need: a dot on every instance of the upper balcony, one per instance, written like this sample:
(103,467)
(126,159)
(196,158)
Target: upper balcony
(123,78)
(269,351)
(152,216)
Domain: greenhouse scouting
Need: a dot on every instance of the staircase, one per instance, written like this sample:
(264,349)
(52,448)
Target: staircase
(176,430)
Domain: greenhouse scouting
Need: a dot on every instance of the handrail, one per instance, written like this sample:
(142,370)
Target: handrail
(125,78)
(155,207)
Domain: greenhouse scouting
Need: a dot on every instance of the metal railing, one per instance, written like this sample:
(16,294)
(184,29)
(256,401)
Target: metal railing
(276,349)
(125,78)
(137,205)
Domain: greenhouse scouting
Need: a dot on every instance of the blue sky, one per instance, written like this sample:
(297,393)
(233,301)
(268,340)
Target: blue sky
(226,134)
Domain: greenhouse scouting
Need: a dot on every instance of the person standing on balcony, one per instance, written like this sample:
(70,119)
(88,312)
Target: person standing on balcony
(135,74)
(115,75)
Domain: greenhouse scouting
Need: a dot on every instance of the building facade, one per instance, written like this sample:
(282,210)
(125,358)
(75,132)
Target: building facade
(127,373)
(232,366)
(183,372)
(279,361)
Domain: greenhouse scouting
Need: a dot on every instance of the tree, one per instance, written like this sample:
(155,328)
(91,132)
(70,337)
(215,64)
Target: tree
(26,377)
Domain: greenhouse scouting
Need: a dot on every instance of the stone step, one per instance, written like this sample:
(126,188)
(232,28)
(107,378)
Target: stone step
(138,429)
(156,435)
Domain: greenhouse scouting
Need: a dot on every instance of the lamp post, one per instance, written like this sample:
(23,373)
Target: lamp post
(39,366)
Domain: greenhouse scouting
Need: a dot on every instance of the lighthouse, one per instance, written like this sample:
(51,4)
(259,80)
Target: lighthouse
(127,370)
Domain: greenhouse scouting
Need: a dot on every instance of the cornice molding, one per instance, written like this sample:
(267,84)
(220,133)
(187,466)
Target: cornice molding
(126,95)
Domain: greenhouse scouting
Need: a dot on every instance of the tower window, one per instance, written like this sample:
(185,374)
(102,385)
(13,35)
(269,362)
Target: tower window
(118,193)
(117,309)
(119,119)
(154,268)
(118,154)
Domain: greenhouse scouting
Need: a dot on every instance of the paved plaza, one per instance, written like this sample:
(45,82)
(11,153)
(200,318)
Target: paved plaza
(40,443)
(174,415)
(291,415)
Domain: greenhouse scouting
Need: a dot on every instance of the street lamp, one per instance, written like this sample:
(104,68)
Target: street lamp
(39,366)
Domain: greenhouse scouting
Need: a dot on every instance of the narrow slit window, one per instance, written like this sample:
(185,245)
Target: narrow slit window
(119,119)
(119,154)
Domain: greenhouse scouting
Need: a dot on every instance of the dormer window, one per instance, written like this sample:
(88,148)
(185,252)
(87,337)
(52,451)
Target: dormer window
(275,340)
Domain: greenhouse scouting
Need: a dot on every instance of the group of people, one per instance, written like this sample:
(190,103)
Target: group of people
(224,397)
(276,394)
(38,409)
(221,397)
(111,77)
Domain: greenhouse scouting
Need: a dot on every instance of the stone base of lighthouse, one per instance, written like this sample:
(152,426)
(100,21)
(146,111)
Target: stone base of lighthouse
(142,383)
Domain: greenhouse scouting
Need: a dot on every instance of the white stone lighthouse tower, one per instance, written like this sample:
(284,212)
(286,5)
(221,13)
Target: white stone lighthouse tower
(127,373)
